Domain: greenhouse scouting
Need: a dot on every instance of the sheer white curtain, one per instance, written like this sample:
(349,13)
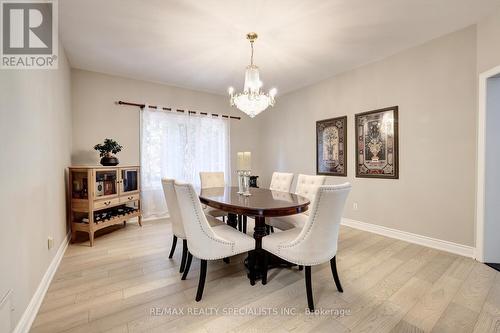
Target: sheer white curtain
(179,146)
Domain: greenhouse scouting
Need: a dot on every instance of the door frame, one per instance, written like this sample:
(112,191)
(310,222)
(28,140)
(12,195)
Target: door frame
(481,160)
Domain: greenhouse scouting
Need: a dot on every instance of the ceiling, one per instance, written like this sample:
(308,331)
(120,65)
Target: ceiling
(200,44)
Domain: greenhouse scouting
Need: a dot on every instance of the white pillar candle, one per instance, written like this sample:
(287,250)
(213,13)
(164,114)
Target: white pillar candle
(239,164)
(247,160)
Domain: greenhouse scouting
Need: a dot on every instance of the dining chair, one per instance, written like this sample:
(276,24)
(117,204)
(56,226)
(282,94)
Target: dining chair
(316,242)
(210,180)
(281,181)
(177,223)
(204,241)
(307,186)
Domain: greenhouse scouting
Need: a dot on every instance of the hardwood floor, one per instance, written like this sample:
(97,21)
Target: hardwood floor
(389,286)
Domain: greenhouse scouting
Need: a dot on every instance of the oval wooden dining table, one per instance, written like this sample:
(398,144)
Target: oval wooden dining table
(261,203)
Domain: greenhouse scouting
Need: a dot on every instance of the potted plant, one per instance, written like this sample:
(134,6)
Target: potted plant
(106,151)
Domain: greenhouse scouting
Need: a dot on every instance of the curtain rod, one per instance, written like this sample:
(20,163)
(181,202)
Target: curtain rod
(178,110)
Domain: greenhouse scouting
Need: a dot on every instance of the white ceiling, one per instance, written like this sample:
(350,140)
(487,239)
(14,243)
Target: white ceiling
(200,44)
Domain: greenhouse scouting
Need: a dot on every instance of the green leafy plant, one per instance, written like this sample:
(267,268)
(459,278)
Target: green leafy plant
(109,146)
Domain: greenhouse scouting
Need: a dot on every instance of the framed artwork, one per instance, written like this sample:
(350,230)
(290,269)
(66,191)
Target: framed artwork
(331,147)
(377,154)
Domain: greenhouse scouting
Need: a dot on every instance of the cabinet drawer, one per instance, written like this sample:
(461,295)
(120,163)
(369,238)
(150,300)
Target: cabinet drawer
(106,203)
(130,197)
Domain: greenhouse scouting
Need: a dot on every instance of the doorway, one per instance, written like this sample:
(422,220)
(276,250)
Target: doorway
(488,169)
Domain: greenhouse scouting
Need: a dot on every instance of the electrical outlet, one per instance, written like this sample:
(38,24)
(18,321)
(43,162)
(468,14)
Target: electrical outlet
(355,206)
(50,242)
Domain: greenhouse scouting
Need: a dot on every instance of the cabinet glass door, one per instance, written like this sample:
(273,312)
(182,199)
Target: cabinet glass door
(130,180)
(79,188)
(105,183)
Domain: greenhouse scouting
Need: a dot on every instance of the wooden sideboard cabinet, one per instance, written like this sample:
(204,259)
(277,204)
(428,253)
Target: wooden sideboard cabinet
(103,196)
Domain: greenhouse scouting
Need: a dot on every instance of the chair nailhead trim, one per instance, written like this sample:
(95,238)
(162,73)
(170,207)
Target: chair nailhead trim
(309,228)
(203,230)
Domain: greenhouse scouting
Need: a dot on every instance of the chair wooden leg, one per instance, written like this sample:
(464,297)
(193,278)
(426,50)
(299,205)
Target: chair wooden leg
(333,266)
(268,230)
(301,267)
(264,268)
(240,223)
(244,224)
(188,265)
(224,219)
(201,283)
(310,300)
(272,229)
(184,255)
(226,260)
(251,266)
(172,250)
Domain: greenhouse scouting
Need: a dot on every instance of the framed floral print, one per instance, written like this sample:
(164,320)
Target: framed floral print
(331,147)
(377,154)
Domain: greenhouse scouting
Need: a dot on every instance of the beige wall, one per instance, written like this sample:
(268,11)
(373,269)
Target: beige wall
(488,42)
(35,132)
(434,86)
(96,116)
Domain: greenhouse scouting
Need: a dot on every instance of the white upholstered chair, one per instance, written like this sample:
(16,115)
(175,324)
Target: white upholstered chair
(206,242)
(212,179)
(316,242)
(209,180)
(306,186)
(281,181)
(177,224)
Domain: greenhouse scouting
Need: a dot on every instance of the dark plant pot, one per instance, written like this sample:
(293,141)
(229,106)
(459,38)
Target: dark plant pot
(109,161)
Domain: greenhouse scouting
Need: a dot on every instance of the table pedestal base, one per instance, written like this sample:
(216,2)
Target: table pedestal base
(272,262)
(255,260)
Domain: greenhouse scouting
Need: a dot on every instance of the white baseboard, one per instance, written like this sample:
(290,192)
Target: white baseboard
(24,324)
(439,244)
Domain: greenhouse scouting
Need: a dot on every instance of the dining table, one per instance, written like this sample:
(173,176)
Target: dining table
(260,204)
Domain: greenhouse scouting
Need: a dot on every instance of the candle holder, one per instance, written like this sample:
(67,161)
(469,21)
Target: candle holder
(241,176)
(243,169)
(246,183)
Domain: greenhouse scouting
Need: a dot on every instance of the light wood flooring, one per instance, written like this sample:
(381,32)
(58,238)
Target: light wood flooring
(389,286)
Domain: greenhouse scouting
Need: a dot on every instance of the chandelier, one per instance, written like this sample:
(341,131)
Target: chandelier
(252,100)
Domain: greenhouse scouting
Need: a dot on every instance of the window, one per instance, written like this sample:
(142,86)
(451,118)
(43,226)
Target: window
(179,146)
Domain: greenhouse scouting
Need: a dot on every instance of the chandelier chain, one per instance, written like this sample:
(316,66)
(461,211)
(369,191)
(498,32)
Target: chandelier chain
(251,56)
